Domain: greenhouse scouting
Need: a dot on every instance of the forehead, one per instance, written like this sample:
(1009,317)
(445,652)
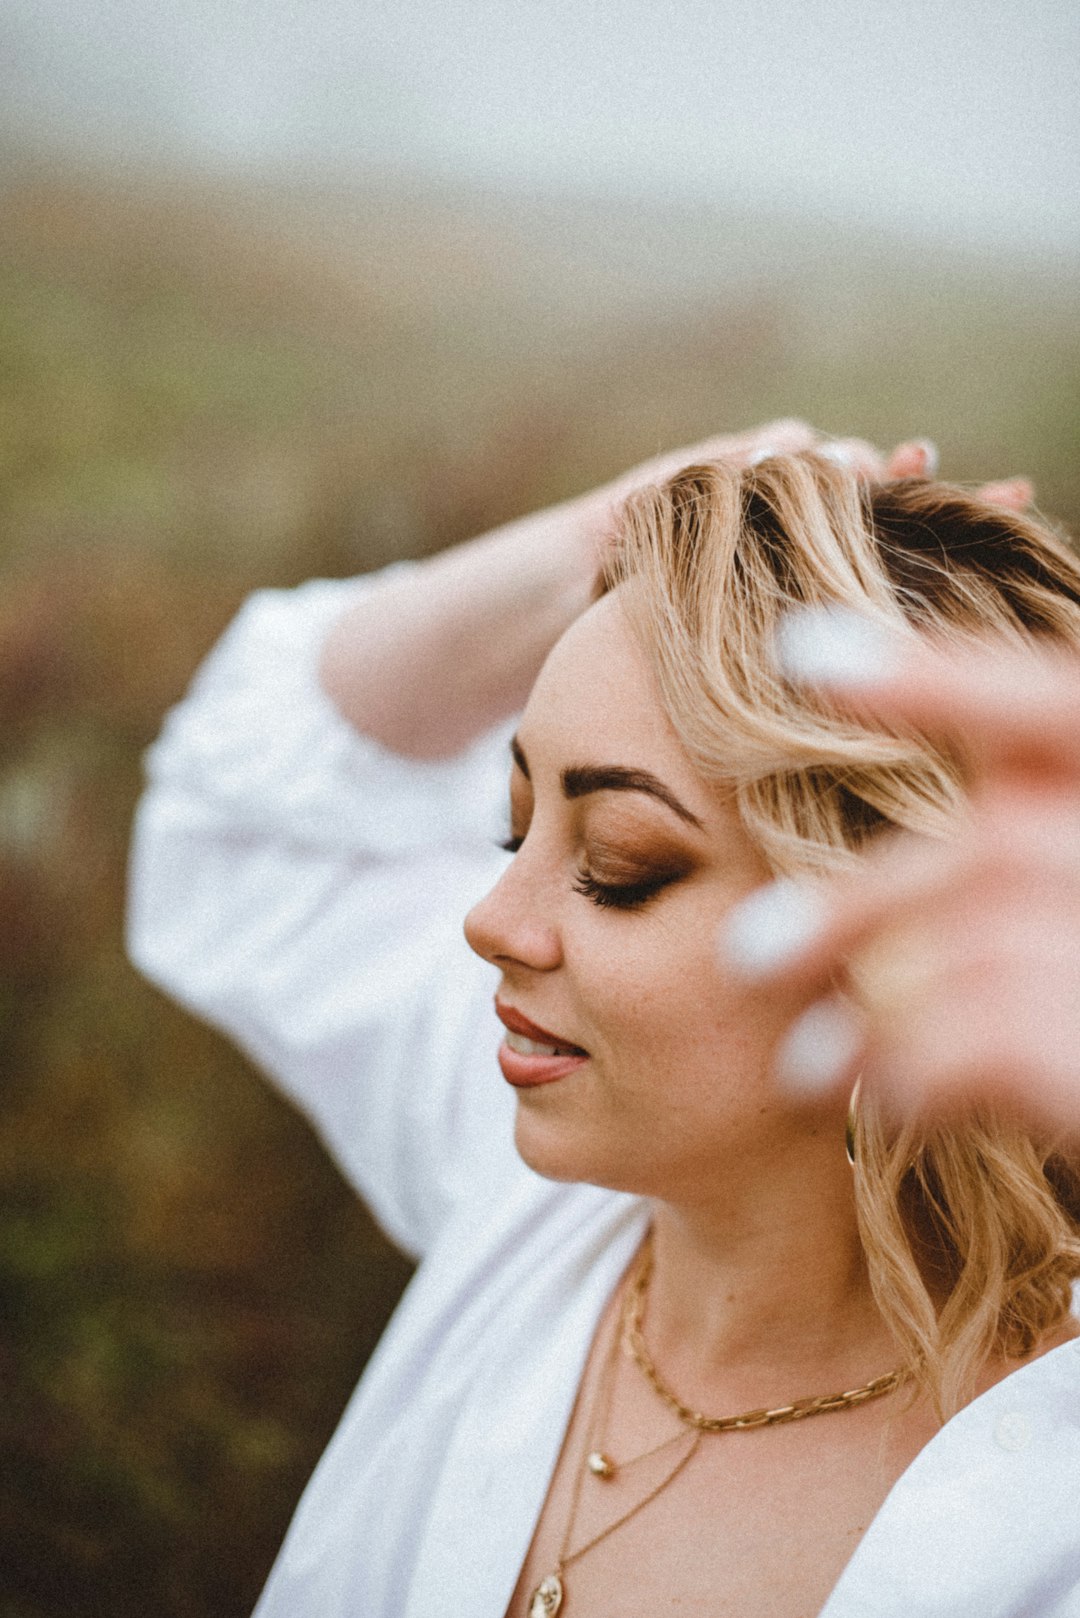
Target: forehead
(596,697)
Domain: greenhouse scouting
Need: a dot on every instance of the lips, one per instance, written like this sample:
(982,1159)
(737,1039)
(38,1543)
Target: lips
(531,1055)
(517,1024)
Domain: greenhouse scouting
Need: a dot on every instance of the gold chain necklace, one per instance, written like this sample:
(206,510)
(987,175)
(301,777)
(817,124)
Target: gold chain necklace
(797,1411)
(550,1594)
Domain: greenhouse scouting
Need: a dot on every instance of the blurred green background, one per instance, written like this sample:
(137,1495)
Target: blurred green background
(208,386)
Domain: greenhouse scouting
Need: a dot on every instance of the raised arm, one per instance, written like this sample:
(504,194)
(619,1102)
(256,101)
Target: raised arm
(438,653)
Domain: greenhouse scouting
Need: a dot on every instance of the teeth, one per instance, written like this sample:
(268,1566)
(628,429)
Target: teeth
(530,1047)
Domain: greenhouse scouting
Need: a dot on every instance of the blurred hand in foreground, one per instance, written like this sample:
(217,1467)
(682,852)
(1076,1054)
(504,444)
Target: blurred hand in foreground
(945,972)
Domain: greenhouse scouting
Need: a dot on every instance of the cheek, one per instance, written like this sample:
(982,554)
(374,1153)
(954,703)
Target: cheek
(663,1008)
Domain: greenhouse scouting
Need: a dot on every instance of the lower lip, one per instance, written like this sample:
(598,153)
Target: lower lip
(526,1072)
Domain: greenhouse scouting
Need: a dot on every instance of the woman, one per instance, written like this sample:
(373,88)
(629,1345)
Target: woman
(504,1455)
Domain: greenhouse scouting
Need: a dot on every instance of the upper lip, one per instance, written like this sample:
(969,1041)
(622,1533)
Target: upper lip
(518,1024)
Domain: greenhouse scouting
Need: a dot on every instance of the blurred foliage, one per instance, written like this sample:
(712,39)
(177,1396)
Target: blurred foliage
(205,389)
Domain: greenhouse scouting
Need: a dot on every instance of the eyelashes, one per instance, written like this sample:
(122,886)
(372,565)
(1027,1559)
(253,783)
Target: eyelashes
(607,895)
(620,895)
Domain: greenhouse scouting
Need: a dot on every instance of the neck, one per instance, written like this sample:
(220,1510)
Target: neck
(765,1297)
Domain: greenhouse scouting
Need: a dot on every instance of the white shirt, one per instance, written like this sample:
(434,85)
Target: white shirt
(303,889)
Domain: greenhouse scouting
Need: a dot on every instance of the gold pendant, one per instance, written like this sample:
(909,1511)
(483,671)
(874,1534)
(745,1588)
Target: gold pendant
(547,1598)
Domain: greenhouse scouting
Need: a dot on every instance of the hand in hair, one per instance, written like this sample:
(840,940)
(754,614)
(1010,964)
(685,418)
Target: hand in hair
(435,654)
(944,971)
(913,458)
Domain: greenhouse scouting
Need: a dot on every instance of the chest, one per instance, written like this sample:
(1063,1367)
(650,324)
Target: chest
(450,1476)
(758,1524)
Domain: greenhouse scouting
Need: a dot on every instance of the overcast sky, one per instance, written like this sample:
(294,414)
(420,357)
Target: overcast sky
(935,114)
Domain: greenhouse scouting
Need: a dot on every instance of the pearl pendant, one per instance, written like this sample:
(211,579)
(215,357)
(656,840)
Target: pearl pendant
(599,1464)
(547,1598)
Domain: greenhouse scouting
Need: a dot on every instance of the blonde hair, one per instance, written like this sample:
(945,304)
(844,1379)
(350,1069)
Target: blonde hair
(972,1229)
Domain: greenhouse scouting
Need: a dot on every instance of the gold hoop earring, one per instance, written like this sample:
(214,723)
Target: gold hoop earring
(852,1122)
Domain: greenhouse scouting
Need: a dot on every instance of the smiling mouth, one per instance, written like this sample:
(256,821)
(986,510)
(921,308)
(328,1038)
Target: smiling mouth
(534,1047)
(530,1055)
(528,1038)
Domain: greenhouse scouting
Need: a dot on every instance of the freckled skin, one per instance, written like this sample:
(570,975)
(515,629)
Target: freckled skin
(677,1083)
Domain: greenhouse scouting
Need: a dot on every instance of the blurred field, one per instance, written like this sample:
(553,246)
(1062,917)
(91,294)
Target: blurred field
(204,389)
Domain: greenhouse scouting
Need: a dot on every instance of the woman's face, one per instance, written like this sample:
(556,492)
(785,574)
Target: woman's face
(650,1069)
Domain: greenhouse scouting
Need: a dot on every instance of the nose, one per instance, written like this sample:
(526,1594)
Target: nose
(514,925)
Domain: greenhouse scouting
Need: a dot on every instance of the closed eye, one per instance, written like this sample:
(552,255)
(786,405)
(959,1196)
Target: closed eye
(622,895)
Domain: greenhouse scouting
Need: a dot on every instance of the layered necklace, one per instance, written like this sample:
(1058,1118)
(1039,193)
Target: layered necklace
(550,1596)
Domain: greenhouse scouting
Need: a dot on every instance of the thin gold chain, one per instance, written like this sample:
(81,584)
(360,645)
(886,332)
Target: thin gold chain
(603,1411)
(692,1422)
(605,1393)
(684,1460)
(796,1411)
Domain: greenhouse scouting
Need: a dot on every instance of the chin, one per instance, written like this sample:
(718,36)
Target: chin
(558,1151)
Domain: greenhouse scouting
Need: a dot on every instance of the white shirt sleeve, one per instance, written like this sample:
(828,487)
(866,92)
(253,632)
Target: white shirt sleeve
(303,889)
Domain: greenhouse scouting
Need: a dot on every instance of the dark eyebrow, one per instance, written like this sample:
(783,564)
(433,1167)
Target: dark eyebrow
(581,779)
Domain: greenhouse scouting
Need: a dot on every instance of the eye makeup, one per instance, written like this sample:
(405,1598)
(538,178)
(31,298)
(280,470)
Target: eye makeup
(624,857)
(620,895)
(521,805)
(625,872)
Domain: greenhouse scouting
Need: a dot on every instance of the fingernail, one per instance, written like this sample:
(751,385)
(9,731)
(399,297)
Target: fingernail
(838,453)
(819,1048)
(931,458)
(763,454)
(835,646)
(770,928)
